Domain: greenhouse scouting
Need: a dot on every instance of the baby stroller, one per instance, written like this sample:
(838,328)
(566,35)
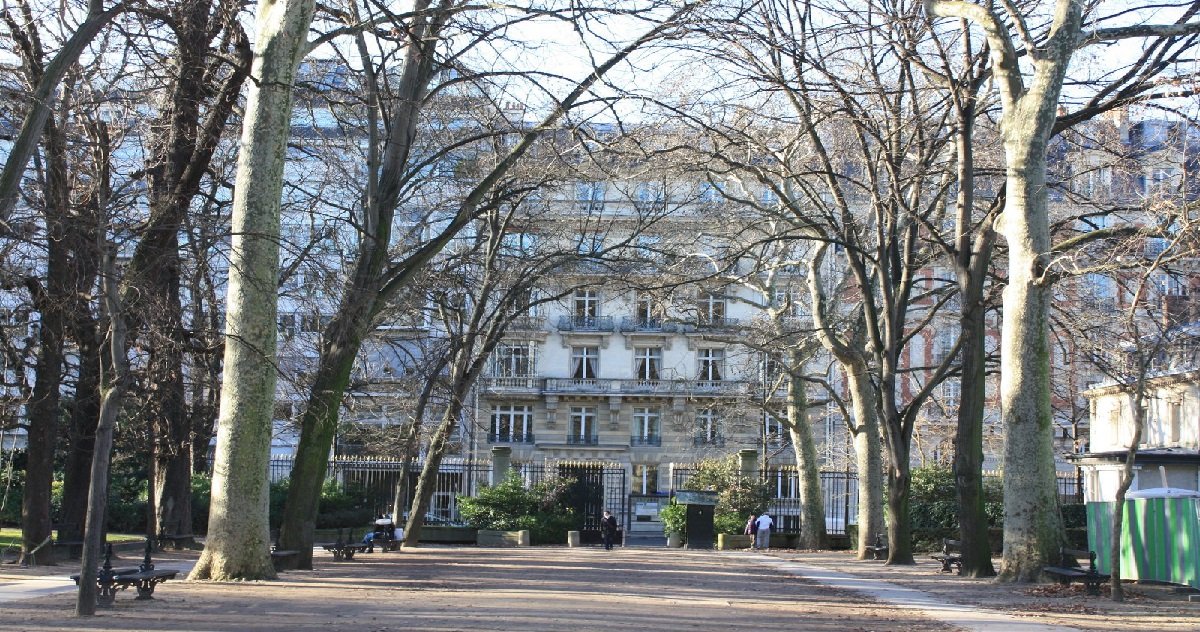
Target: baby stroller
(384,536)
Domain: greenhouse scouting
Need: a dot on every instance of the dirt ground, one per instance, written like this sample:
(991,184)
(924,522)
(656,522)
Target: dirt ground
(550,588)
(1147,606)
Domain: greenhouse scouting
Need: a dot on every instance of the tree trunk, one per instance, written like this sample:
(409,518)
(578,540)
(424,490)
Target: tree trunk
(968,441)
(427,483)
(868,453)
(85,415)
(812,505)
(318,425)
(1032,521)
(238,544)
(899,526)
(114,379)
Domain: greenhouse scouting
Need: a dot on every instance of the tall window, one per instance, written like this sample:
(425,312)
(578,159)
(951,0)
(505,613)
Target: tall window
(513,360)
(587,307)
(589,244)
(647,310)
(582,427)
(585,363)
(712,308)
(647,361)
(774,431)
(590,195)
(511,424)
(1174,422)
(646,421)
(712,364)
(708,431)
(645,479)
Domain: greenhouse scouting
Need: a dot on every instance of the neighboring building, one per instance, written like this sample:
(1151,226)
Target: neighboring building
(1168,454)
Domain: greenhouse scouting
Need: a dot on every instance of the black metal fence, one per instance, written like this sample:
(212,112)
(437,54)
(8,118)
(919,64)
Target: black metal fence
(839,491)
(597,486)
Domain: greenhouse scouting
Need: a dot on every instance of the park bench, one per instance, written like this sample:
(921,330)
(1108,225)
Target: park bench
(879,550)
(951,555)
(109,581)
(281,559)
(69,537)
(1069,569)
(169,531)
(343,550)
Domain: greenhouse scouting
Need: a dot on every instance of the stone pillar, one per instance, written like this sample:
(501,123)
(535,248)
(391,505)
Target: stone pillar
(501,463)
(747,461)
(573,539)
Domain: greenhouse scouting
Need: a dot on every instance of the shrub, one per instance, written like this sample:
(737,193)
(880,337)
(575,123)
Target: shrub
(674,519)
(737,496)
(933,505)
(543,508)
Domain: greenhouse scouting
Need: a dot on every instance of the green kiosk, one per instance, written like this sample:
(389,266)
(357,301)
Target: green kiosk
(700,507)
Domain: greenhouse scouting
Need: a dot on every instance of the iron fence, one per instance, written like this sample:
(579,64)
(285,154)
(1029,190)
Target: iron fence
(839,492)
(597,486)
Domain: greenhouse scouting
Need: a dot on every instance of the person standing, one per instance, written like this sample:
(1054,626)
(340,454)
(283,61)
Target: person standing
(608,529)
(751,528)
(763,536)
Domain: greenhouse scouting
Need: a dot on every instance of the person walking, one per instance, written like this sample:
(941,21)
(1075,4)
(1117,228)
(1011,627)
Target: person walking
(608,529)
(751,527)
(762,536)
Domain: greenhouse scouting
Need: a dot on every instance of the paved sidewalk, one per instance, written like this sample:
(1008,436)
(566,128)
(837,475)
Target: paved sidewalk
(919,602)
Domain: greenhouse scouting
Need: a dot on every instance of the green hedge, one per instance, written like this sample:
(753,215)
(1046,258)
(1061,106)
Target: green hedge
(543,508)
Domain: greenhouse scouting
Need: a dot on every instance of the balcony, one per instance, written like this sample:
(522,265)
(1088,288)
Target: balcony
(651,440)
(716,324)
(583,440)
(572,385)
(510,437)
(719,387)
(646,325)
(527,323)
(524,384)
(653,387)
(585,323)
(709,441)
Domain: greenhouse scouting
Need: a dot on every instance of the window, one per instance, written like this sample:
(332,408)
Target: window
(773,373)
(511,424)
(1174,422)
(589,244)
(649,197)
(585,363)
(283,411)
(649,247)
(514,360)
(943,344)
(951,393)
(712,309)
(582,428)
(590,195)
(645,430)
(587,307)
(647,361)
(775,432)
(789,302)
(712,192)
(645,479)
(518,244)
(712,364)
(708,431)
(287,324)
(647,310)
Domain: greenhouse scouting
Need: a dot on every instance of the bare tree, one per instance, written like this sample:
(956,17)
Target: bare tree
(1032,524)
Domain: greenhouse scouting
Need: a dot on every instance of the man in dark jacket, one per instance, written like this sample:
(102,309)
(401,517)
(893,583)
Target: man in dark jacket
(608,529)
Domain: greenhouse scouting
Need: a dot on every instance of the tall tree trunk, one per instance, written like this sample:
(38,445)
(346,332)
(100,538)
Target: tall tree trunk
(44,408)
(318,425)
(1033,529)
(899,525)
(238,544)
(427,483)
(968,440)
(85,415)
(868,452)
(812,505)
(114,377)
